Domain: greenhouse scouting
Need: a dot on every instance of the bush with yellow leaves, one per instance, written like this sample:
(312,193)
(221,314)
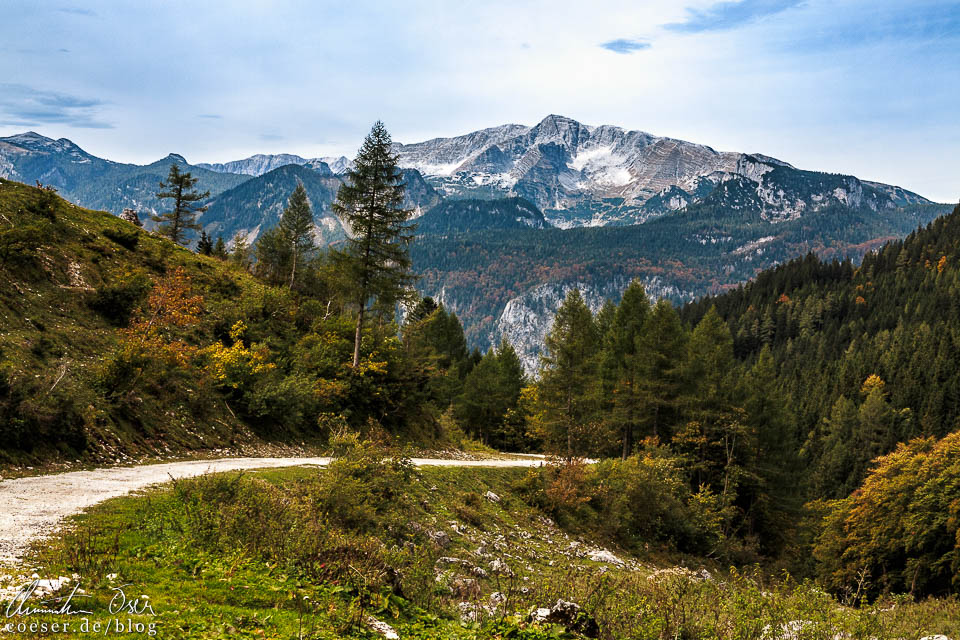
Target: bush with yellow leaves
(236,366)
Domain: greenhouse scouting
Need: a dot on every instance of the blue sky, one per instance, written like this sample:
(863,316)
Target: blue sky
(863,87)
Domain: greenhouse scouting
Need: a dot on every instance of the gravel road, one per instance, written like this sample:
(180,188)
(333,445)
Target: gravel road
(32,508)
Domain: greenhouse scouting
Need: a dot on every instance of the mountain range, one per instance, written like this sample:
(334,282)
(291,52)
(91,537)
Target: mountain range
(582,175)
(513,216)
(259,164)
(94,182)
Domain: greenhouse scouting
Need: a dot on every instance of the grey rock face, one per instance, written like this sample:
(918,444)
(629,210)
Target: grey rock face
(582,175)
(526,319)
(255,165)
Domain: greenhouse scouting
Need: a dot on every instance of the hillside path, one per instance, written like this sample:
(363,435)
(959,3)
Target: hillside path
(32,508)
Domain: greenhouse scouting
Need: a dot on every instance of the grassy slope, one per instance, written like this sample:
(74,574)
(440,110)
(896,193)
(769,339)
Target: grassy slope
(201,589)
(50,274)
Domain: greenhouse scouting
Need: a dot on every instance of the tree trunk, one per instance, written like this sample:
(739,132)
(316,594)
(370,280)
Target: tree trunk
(293,271)
(356,340)
(627,439)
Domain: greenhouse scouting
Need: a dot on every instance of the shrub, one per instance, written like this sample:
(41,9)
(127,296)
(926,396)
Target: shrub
(364,489)
(126,239)
(19,246)
(45,204)
(34,416)
(117,301)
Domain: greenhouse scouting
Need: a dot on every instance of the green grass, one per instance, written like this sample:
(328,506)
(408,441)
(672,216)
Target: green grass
(67,278)
(306,553)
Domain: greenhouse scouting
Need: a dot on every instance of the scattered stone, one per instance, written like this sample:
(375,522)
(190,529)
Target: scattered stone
(479,572)
(382,628)
(680,572)
(500,567)
(568,614)
(465,588)
(439,538)
(456,561)
(492,497)
(603,555)
(468,612)
(130,215)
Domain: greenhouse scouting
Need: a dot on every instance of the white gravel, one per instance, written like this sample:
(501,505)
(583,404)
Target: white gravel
(33,508)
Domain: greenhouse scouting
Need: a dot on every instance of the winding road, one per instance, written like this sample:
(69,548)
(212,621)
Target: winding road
(33,508)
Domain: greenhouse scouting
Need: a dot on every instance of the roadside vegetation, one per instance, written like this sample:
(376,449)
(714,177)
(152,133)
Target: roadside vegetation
(439,553)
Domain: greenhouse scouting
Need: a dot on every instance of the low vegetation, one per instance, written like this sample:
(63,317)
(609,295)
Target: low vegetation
(440,553)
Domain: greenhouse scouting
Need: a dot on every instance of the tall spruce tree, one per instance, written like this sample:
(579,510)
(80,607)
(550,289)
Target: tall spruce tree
(569,368)
(620,359)
(179,187)
(370,202)
(659,359)
(296,225)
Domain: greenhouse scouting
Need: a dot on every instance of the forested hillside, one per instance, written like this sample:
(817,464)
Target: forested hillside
(815,409)
(117,343)
(866,354)
(705,249)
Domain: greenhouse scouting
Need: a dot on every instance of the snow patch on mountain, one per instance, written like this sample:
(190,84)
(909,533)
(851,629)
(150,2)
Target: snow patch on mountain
(582,175)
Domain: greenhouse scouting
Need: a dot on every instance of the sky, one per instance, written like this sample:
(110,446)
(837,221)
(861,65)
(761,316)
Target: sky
(864,87)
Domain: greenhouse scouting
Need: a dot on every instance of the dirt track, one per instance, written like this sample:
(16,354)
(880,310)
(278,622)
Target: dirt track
(32,508)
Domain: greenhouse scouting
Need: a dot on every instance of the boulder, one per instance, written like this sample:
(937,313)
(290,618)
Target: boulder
(569,615)
(382,628)
(439,538)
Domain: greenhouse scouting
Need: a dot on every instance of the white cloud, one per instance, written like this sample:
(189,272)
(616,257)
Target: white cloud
(313,76)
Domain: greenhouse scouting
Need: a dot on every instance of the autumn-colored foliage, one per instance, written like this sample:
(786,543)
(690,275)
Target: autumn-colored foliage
(233,366)
(169,305)
(151,340)
(901,530)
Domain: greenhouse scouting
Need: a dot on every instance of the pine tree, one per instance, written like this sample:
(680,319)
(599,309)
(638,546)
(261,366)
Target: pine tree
(568,370)
(370,202)
(179,187)
(773,502)
(220,249)
(296,226)
(424,307)
(481,406)
(273,256)
(240,254)
(621,357)
(659,360)
(512,375)
(204,245)
(490,391)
